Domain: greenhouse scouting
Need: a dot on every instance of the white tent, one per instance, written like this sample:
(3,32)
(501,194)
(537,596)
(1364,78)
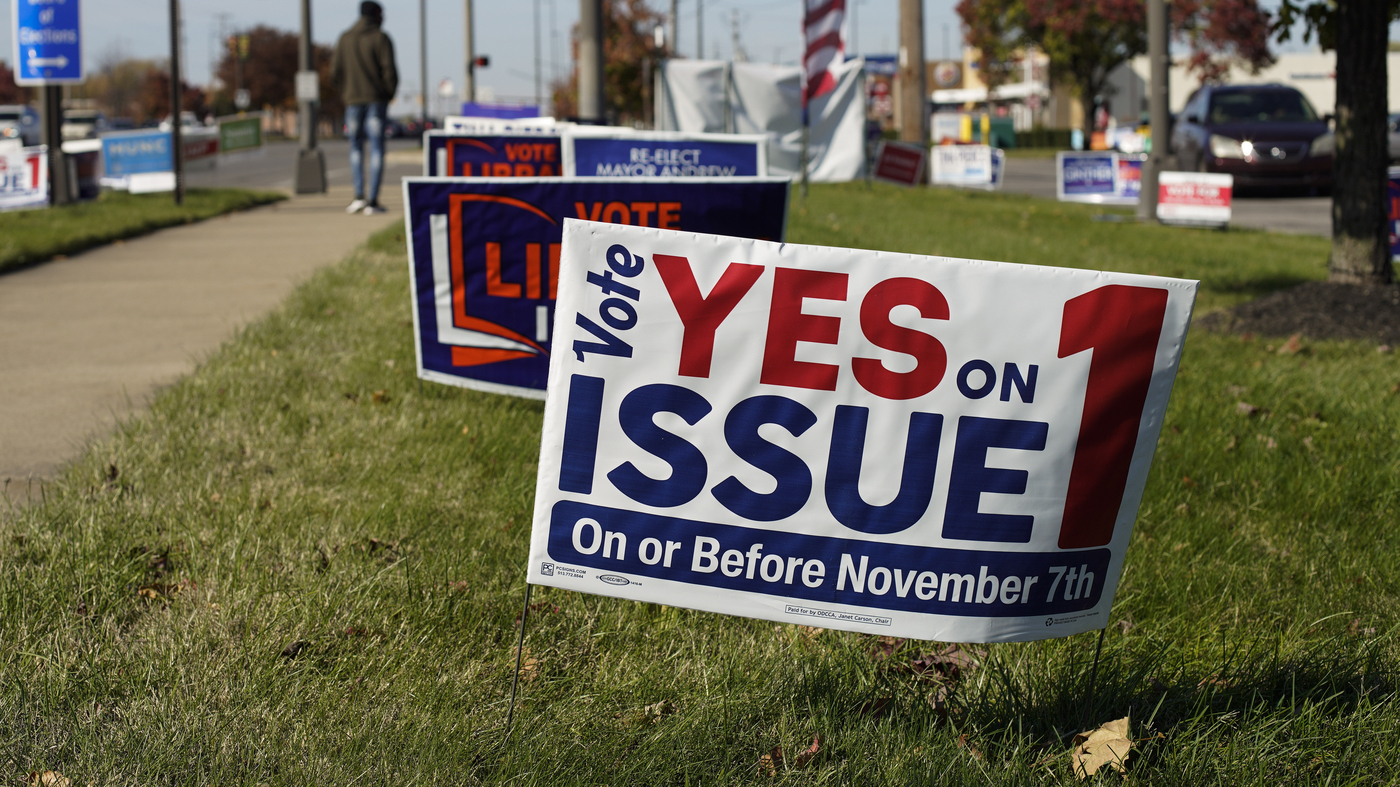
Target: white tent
(758,98)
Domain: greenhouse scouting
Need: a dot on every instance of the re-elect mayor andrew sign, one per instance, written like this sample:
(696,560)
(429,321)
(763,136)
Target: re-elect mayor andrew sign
(918,446)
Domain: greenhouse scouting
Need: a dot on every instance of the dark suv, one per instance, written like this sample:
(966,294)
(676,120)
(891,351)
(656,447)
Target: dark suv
(1264,135)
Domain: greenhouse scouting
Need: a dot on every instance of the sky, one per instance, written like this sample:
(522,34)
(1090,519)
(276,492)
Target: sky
(767,30)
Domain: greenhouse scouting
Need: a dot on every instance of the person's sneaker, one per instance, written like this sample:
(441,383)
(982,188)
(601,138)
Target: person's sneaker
(356,206)
(375,209)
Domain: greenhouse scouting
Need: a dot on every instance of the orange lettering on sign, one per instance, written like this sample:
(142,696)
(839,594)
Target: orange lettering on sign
(500,169)
(546,170)
(554,249)
(494,285)
(466,169)
(524,170)
(669,216)
(642,210)
(532,270)
(584,213)
(614,210)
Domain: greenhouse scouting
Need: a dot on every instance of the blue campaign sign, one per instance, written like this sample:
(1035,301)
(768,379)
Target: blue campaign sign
(1392,211)
(644,155)
(48,42)
(135,152)
(1085,175)
(484,258)
(453,154)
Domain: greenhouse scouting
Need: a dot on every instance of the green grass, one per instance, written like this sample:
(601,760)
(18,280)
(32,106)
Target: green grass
(31,236)
(304,567)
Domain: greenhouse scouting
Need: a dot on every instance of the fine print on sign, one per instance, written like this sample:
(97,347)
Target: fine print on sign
(900,163)
(484,259)
(48,42)
(915,446)
(1194,198)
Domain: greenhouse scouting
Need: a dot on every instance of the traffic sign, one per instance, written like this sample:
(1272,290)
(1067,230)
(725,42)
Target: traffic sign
(48,42)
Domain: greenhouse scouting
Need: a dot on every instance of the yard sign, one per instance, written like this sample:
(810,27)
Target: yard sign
(916,446)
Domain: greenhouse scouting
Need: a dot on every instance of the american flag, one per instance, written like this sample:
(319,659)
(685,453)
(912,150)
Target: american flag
(821,27)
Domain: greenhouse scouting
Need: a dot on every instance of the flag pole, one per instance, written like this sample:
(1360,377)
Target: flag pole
(805,125)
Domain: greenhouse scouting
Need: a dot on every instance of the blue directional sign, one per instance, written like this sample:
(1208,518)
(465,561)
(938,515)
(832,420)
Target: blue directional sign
(48,42)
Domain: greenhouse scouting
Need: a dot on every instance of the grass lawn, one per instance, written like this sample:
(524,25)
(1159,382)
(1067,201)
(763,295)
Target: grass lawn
(304,567)
(30,236)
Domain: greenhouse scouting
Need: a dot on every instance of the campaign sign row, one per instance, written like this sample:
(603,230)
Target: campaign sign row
(485,262)
(143,161)
(580,151)
(922,447)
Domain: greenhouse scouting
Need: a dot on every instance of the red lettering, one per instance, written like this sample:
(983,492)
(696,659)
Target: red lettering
(494,285)
(532,270)
(701,314)
(554,249)
(524,170)
(787,326)
(466,169)
(642,210)
(615,209)
(586,214)
(1122,325)
(669,216)
(499,169)
(929,354)
(551,151)
(546,170)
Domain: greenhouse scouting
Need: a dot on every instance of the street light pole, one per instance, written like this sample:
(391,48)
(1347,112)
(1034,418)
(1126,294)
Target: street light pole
(1159,58)
(311,162)
(590,61)
(423,55)
(469,82)
(177,147)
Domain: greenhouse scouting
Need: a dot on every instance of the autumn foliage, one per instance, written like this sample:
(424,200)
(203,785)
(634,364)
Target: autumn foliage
(627,44)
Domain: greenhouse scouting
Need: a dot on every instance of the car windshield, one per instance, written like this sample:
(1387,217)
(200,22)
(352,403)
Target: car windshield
(9,116)
(1261,106)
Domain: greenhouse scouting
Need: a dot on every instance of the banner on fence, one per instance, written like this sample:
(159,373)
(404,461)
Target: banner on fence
(662,154)
(24,178)
(1194,198)
(1104,177)
(484,259)
(969,166)
(900,163)
(514,155)
(921,447)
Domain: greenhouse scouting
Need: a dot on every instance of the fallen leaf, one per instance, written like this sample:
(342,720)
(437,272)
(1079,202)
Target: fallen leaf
(950,662)
(158,592)
(885,647)
(1108,745)
(466,430)
(530,668)
(389,363)
(810,632)
(1125,625)
(938,700)
(964,743)
(48,779)
(293,650)
(216,497)
(808,754)
(1186,481)
(380,397)
(1293,346)
(770,763)
(1245,408)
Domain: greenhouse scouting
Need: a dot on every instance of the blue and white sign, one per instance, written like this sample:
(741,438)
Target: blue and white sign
(484,258)
(135,152)
(664,155)
(923,447)
(48,42)
(968,166)
(1103,177)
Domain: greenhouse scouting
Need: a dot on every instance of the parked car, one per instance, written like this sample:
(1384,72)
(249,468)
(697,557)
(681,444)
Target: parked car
(18,121)
(1263,135)
(83,123)
(187,120)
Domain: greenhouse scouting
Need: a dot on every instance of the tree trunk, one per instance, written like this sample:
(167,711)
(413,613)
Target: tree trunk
(1360,241)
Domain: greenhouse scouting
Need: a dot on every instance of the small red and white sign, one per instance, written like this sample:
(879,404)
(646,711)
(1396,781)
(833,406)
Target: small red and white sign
(24,178)
(1194,198)
(899,163)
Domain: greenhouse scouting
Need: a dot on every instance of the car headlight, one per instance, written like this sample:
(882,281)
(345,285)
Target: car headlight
(1324,145)
(11,132)
(1224,147)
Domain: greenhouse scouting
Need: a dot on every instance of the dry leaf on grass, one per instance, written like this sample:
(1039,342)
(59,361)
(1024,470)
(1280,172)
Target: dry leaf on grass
(380,397)
(650,714)
(949,663)
(964,743)
(1245,408)
(808,754)
(770,763)
(1108,745)
(1293,346)
(938,700)
(529,668)
(48,779)
(885,647)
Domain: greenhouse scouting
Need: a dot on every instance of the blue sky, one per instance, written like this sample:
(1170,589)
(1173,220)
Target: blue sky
(768,32)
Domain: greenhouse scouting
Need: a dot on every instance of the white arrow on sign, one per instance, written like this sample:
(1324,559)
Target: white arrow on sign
(42,62)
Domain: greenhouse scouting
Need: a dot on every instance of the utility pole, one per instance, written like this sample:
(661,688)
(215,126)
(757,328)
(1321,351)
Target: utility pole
(913,89)
(177,147)
(423,55)
(673,23)
(699,29)
(311,161)
(469,83)
(539,92)
(590,61)
(737,53)
(1159,57)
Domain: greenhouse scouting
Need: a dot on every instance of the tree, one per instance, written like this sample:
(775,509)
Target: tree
(1358,31)
(1086,39)
(10,93)
(268,73)
(627,45)
(138,89)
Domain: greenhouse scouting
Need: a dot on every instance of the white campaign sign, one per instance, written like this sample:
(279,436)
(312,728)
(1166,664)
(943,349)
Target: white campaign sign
(965,165)
(925,447)
(24,178)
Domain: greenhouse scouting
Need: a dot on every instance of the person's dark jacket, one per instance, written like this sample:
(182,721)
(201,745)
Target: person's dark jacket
(363,67)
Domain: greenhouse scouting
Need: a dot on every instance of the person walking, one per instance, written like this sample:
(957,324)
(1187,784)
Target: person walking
(363,71)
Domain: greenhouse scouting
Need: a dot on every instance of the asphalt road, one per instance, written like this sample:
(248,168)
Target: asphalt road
(1299,215)
(274,165)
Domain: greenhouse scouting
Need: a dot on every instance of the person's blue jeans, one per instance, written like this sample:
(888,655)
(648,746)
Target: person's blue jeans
(366,120)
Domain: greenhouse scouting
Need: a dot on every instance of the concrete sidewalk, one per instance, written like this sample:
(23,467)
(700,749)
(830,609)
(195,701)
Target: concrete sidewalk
(85,342)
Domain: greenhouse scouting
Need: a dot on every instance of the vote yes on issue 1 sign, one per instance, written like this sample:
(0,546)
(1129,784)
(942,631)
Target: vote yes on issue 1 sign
(917,446)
